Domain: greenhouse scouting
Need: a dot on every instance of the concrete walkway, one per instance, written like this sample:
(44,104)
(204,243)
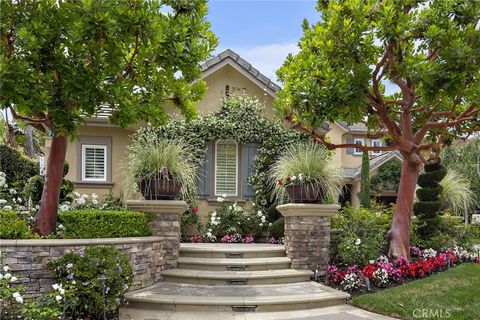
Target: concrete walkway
(342,312)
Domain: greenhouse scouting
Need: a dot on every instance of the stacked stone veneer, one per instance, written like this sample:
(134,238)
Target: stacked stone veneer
(148,256)
(29,259)
(307,234)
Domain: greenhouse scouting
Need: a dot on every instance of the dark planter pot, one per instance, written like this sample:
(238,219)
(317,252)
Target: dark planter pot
(159,189)
(304,193)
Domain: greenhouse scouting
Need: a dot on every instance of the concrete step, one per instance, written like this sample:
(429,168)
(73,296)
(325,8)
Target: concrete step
(234,264)
(258,298)
(205,277)
(231,250)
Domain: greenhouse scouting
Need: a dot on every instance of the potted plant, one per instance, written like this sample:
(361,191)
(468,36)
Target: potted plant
(306,173)
(160,170)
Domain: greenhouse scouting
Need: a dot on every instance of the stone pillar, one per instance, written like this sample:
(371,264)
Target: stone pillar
(307,234)
(166,223)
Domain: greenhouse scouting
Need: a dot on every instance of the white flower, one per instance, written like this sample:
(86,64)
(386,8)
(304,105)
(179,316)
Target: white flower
(55,286)
(58,298)
(358,241)
(80,201)
(76,194)
(229,207)
(94,196)
(293,178)
(19,200)
(214,214)
(270,224)
(62,291)
(13,279)
(6,268)
(12,191)
(18,297)
(84,196)
(7,207)
(1,276)
(259,213)
(220,199)
(260,224)
(3,201)
(69,266)
(7,276)
(64,207)
(224,195)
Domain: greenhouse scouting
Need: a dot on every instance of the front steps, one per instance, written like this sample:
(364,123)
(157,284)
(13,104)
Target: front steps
(232,278)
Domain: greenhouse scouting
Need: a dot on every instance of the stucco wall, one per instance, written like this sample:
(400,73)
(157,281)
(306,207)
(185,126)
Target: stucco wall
(29,259)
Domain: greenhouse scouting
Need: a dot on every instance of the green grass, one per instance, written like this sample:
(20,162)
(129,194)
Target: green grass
(455,292)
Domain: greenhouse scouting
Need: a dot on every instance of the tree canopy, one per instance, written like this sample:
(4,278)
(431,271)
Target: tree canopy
(64,61)
(408,69)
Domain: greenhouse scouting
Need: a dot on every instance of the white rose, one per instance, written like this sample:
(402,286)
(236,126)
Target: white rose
(19,299)
(62,291)
(220,199)
(12,191)
(358,241)
(84,196)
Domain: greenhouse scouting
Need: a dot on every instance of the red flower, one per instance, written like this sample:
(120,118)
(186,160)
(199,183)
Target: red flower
(195,209)
(280,182)
(368,270)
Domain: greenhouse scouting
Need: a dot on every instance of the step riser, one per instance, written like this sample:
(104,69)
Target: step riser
(226,282)
(206,267)
(228,308)
(200,254)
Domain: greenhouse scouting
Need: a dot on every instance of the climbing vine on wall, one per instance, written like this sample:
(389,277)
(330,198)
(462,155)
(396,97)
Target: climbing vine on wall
(241,118)
(388,177)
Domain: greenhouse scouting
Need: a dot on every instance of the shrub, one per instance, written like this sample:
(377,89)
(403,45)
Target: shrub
(364,233)
(231,219)
(81,274)
(428,194)
(81,224)
(277,229)
(16,166)
(11,227)
(34,187)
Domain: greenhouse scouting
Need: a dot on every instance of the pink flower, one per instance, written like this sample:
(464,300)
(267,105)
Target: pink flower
(196,239)
(248,239)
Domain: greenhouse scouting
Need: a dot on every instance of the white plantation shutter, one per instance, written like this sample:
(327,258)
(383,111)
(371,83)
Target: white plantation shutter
(94,163)
(226,168)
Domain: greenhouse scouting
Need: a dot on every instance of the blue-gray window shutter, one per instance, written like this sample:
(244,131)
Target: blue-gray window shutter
(205,174)
(350,150)
(249,152)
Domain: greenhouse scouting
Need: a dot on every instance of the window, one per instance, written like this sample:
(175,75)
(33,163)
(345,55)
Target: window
(226,168)
(376,143)
(94,162)
(360,141)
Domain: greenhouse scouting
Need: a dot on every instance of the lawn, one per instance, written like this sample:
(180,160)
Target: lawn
(453,294)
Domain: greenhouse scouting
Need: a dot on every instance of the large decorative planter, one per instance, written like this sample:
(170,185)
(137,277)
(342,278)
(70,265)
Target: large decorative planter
(155,188)
(307,234)
(304,193)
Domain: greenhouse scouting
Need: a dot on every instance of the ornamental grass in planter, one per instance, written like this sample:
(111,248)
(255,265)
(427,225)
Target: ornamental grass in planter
(160,170)
(306,173)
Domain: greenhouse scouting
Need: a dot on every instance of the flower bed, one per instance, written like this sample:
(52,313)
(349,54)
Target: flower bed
(383,273)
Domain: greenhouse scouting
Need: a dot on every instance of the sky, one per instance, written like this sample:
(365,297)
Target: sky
(262,32)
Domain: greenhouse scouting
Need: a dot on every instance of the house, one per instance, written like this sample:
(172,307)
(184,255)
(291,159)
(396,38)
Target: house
(96,157)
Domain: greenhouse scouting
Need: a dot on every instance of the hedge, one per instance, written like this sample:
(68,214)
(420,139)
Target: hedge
(83,224)
(11,227)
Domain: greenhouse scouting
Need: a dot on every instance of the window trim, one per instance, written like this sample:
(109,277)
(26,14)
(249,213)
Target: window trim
(355,140)
(215,168)
(375,152)
(105,162)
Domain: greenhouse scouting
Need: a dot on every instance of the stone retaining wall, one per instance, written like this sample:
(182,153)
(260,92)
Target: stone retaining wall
(29,259)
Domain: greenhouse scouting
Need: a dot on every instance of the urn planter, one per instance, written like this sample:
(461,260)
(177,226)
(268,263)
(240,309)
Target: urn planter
(304,193)
(155,188)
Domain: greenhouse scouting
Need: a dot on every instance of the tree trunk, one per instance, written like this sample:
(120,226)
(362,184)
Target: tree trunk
(30,151)
(399,234)
(47,214)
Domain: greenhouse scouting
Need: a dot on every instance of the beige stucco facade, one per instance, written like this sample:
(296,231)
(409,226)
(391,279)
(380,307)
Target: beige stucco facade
(227,75)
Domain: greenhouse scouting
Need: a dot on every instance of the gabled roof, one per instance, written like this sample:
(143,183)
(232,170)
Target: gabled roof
(358,127)
(375,163)
(241,65)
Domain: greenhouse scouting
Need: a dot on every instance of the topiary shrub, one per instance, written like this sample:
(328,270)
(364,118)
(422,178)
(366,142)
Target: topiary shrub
(277,229)
(16,166)
(11,227)
(426,210)
(83,224)
(81,273)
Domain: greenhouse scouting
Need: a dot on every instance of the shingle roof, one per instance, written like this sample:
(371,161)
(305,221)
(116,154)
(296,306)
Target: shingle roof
(356,127)
(230,54)
(376,162)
